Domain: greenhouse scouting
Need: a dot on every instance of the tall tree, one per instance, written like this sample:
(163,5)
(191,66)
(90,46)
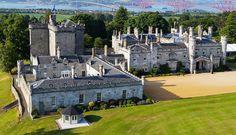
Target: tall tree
(119,19)
(230,28)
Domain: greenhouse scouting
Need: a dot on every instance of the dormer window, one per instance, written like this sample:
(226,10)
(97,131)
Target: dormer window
(65,74)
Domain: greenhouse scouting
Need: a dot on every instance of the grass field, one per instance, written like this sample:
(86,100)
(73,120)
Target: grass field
(60,17)
(175,87)
(213,115)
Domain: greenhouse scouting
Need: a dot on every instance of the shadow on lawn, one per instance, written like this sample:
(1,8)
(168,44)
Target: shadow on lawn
(92,118)
(42,131)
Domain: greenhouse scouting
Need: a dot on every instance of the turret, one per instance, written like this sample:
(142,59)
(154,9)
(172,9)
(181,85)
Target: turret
(200,31)
(224,43)
(128,30)
(210,32)
(156,32)
(191,34)
(53,17)
(191,47)
(136,33)
(150,29)
(180,30)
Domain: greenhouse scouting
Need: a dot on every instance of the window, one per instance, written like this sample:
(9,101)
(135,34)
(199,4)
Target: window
(184,56)
(158,58)
(144,58)
(65,74)
(99,96)
(81,98)
(66,117)
(83,73)
(73,117)
(124,94)
(53,100)
(45,75)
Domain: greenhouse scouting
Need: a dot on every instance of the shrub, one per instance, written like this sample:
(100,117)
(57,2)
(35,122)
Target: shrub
(120,102)
(91,105)
(103,106)
(135,99)
(35,113)
(60,110)
(112,102)
(149,100)
(14,70)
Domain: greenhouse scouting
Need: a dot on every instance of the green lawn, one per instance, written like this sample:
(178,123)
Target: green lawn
(60,17)
(205,115)
(213,115)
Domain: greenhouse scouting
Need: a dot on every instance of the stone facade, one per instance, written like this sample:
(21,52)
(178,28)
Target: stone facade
(148,50)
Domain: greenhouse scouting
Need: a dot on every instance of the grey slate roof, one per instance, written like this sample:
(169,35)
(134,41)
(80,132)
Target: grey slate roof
(172,46)
(82,81)
(72,111)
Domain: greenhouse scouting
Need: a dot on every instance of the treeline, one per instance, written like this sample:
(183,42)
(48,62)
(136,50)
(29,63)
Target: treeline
(14,34)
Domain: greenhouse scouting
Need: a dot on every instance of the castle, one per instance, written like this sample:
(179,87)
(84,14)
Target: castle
(61,75)
(148,50)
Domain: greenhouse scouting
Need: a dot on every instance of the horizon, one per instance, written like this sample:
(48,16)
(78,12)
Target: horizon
(131,5)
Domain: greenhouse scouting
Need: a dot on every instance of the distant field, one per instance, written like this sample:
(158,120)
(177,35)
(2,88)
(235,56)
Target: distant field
(175,87)
(212,115)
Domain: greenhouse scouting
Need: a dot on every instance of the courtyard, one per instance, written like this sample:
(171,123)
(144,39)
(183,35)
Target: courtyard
(176,87)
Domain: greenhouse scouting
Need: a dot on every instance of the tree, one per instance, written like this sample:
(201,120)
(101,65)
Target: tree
(180,67)
(119,19)
(98,43)
(165,69)
(88,41)
(230,28)
(154,71)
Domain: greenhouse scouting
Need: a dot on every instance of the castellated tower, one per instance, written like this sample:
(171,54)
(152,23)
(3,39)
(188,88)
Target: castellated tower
(224,43)
(191,47)
(39,39)
(45,38)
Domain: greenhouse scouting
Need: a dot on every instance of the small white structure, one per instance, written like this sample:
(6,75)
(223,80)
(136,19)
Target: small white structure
(72,118)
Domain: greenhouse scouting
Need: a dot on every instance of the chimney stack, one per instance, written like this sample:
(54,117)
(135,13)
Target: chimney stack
(200,31)
(146,40)
(128,30)
(150,29)
(93,52)
(101,70)
(58,52)
(161,33)
(180,30)
(210,32)
(73,71)
(136,33)
(105,50)
(156,32)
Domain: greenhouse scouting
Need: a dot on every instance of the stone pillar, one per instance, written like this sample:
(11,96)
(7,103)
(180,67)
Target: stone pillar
(119,35)
(101,70)
(93,52)
(224,43)
(180,30)
(105,50)
(125,43)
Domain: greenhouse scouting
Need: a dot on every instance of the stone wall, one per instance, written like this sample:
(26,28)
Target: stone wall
(26,92)
(68,97)
(16,95)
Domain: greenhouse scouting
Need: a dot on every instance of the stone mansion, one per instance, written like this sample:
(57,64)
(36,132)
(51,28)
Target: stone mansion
(147,50)
(61,75)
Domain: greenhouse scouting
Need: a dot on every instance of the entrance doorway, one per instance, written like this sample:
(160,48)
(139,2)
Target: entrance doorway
(201,66)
